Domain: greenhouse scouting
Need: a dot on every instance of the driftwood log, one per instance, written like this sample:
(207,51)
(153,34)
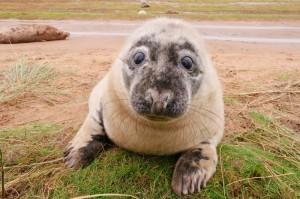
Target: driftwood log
(31,33)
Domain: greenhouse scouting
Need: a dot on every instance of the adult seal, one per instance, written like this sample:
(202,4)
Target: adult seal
(161,96)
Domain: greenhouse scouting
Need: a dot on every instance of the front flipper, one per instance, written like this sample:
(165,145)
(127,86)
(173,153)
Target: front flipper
(88,143)
(193,169)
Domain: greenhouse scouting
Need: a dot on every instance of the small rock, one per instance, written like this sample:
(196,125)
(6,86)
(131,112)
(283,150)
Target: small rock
(142,12)
(144,4)
(172,12)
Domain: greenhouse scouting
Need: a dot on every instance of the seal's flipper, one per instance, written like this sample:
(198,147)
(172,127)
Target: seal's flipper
(194,168)
(88,143)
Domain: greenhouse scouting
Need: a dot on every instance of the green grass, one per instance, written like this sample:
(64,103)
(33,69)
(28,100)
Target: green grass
(29,131)
(23,147)
(195,10)
(118,171)
(229,100)
(264,162)
(28,144)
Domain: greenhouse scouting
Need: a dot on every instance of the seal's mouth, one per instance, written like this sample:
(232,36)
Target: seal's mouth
(157,118)
(158,113)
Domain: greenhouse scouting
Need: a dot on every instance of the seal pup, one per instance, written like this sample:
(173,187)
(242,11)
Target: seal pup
(161,96)
(31,33)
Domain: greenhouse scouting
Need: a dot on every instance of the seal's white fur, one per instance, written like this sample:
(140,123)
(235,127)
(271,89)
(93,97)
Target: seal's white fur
(204,120)
(200,129)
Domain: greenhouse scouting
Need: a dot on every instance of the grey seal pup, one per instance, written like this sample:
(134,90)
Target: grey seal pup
(162,96)
(31,33)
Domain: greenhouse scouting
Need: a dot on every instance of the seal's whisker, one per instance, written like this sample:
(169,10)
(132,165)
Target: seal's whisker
(205,116)
(205,127)
(113,101)
(204,109)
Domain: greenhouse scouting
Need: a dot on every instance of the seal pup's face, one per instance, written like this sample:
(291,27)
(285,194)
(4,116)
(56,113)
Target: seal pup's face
(162,70)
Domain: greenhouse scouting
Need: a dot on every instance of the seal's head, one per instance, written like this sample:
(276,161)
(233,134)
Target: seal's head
(162,68)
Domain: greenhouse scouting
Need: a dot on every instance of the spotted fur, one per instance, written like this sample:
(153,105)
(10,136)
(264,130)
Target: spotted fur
(158,107)
(31,33)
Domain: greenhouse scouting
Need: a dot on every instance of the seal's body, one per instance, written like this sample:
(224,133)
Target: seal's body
(162,96)
(31,33)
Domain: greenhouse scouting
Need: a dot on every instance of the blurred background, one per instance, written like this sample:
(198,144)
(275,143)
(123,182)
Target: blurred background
(135,9)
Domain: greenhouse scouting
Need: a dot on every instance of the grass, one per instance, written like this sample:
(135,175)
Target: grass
(195,10)
(260,161)
(229,100)
(26,142)
(264,162)
(24,80)
(26,145)
(3,194)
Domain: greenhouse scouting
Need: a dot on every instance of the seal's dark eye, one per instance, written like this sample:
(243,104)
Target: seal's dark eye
(138,58)
(187,62)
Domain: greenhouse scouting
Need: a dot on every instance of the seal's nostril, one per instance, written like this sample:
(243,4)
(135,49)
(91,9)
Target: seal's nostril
(149,98)
(165,98)
(158,100)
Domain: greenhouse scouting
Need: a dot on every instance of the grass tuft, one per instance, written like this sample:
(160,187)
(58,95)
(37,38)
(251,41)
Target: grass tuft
(266,160)
(29,152)
(24,80)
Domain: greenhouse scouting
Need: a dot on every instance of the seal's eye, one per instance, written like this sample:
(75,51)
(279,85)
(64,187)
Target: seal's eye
(187,62)
(138,58)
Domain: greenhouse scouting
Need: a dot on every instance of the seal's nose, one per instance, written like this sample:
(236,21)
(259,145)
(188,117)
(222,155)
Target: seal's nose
(158,100)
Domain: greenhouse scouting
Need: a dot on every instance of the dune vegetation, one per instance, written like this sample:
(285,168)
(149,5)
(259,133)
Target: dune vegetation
(196,10)
(262,161)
